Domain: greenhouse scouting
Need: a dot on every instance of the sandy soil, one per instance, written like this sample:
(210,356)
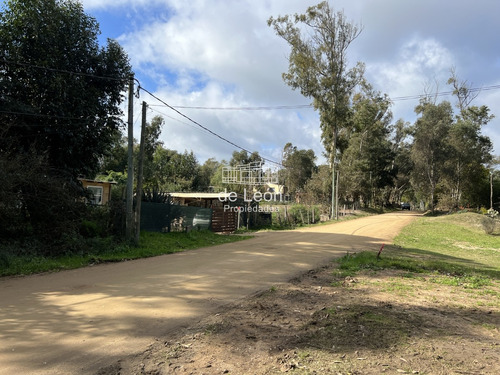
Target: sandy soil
(81,321)
(383,323)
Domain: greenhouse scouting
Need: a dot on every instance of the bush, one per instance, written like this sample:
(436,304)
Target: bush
(297,214)
(488,224)
(43,213)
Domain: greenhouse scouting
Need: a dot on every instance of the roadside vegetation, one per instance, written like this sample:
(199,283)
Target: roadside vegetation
(453,245)
(291,216)
(152,244)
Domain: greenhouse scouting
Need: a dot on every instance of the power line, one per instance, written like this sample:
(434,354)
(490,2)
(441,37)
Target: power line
(176,119)
(5,61)
(204,127)
(242,108)
(260,108)
(445,93)
(308,106)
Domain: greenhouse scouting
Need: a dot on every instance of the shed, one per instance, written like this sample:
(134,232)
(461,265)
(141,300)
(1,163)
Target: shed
(223,220)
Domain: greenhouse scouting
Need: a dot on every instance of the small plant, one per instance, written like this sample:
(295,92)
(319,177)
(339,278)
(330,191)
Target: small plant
(492,213)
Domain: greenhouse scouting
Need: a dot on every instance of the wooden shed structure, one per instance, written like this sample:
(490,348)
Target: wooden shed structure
(223,219)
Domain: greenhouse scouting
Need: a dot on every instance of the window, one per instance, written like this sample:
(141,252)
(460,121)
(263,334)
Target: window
(96,194)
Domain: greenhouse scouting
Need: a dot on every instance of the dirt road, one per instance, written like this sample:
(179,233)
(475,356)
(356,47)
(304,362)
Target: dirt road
(75,322)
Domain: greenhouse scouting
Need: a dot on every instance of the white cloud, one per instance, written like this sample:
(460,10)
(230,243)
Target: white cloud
(239,60)
(492,130)
(222,53)
(227,43)
(421,66)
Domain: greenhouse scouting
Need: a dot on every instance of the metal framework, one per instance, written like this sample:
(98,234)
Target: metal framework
(249,174)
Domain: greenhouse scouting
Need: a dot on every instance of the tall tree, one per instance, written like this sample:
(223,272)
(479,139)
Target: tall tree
(402,164)
(60,91)
(298,168)
(470,150)
(366,168)
(318,67)
(430,150)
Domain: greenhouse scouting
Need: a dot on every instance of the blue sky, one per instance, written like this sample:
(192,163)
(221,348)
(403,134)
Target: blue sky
(221,53)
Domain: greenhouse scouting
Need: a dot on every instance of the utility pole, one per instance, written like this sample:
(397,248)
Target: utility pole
(491,189)
(334,187)
(129,224)
(140,168)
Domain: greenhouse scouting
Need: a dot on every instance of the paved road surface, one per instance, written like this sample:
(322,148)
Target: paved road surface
(75,322)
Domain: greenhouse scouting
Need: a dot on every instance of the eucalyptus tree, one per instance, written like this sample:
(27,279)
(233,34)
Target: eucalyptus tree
(367,163)
(402,164)
(430,150)
(318,67)
(470,150)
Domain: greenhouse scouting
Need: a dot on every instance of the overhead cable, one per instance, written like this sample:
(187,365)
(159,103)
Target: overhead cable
(204,127)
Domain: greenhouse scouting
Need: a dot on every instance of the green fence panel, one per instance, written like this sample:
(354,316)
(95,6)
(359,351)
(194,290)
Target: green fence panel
(164,217)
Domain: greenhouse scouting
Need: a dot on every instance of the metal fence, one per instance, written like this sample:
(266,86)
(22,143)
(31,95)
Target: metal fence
(166,217)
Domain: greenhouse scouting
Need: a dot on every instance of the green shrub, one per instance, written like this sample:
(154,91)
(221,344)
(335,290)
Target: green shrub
(488,224)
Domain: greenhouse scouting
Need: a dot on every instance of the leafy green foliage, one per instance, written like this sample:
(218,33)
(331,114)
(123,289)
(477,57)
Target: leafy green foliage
(367,165)
(60,90)
(60,94)
(318,64)
(37,205)
(430,149)
(298,168)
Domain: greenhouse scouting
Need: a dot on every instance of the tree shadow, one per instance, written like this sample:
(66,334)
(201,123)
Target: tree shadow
(80,320)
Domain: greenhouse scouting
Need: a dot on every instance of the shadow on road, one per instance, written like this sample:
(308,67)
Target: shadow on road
(73,321)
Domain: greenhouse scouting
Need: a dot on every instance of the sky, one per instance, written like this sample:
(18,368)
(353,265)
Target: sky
(222,54)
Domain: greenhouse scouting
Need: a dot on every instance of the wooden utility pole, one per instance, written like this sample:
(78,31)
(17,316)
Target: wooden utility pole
(140,168)
(334,214)
(491,189)
(129,224)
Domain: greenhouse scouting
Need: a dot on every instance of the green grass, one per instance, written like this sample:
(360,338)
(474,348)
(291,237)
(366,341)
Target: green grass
(453,250)
(455,240)
(151,244)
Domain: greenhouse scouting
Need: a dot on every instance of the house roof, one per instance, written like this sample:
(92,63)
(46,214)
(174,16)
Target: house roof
(96,181)
(221,195)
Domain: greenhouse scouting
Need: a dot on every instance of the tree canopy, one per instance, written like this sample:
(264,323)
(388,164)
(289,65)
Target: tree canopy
(60,91)
(318,67)
(318,64)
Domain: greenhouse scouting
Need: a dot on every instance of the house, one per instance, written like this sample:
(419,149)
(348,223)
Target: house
(101,190)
